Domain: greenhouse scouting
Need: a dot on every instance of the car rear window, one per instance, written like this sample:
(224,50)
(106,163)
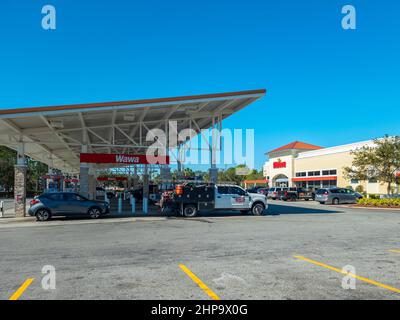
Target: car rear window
(321,191)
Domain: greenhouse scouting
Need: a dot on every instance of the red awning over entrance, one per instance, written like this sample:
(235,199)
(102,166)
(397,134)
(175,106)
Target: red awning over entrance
(256,181)
(330,178)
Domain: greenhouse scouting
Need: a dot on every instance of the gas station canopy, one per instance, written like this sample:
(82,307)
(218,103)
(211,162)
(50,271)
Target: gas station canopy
(55,135)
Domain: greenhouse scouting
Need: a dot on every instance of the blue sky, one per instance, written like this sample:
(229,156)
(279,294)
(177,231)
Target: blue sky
(326,85)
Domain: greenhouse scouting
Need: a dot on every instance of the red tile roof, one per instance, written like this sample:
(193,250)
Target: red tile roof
(297,145)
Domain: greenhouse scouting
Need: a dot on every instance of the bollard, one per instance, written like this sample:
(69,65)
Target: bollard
(145,205)
(1,209)
(133,204)
(120,205)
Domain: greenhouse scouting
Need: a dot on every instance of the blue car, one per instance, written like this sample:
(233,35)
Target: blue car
(53,204)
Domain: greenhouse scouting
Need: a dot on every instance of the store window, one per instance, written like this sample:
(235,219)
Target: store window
(332,183)
(314,184)
(314,173)
(354,181)
(301,174)
(329,172)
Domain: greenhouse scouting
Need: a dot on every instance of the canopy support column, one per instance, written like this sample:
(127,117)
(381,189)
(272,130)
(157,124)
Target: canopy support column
(213,148)
(20,183)
(145,188)
(84,176)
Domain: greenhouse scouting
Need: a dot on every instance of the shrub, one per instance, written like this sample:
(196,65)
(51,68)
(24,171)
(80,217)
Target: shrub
(374,196)
(388,203)
(360,189)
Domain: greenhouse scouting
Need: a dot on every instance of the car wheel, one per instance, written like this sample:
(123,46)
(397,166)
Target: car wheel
(43,215)
(94,213)
(258,209)
(190,211)
(335,201)
(322,202)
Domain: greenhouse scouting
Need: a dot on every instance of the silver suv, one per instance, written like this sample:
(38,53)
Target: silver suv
(335,196)
(276,192)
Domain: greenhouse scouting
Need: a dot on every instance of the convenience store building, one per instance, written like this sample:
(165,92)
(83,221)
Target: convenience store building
(300,164)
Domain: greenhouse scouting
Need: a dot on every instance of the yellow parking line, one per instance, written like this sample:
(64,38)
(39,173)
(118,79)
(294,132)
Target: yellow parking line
(200,283)
(349,274)
(395,250)
(21,289)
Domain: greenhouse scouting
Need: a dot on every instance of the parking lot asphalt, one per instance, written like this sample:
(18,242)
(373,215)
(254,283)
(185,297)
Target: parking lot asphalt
(295,252)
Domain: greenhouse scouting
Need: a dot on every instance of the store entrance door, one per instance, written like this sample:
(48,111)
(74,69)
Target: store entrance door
(281,181)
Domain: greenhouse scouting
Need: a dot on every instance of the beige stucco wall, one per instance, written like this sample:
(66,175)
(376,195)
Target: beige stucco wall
(288,171)
(337,161)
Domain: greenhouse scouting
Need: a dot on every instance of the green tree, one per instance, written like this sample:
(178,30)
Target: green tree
(380,162)
(35,170)
(255,175)
(188,173)
(8,159)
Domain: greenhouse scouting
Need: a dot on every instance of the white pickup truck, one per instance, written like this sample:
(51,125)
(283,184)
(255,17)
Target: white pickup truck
(190,198)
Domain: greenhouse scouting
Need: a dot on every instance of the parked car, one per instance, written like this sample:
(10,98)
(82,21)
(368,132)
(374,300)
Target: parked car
(335,196)
(263,191)
(153,191)
(275,192)
(294,194)
(48,205)
(358,195)
(254,189)
(110,194)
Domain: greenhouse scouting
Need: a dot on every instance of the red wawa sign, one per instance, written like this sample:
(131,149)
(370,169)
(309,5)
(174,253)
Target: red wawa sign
(123,158)
(278,165)
(112,179)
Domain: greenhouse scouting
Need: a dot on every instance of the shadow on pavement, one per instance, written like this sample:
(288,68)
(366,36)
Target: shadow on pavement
(273,209)
(277,209)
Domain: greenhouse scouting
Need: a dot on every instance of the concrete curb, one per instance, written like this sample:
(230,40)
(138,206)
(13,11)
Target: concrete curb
(368,208)
(23,222)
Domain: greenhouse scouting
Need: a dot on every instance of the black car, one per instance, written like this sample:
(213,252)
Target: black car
(47,205)
(254,189)
(294,193)
(138,193)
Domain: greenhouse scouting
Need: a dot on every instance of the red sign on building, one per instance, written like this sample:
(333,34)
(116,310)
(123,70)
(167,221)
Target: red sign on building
(112,179)
(123,158)
(278,165)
